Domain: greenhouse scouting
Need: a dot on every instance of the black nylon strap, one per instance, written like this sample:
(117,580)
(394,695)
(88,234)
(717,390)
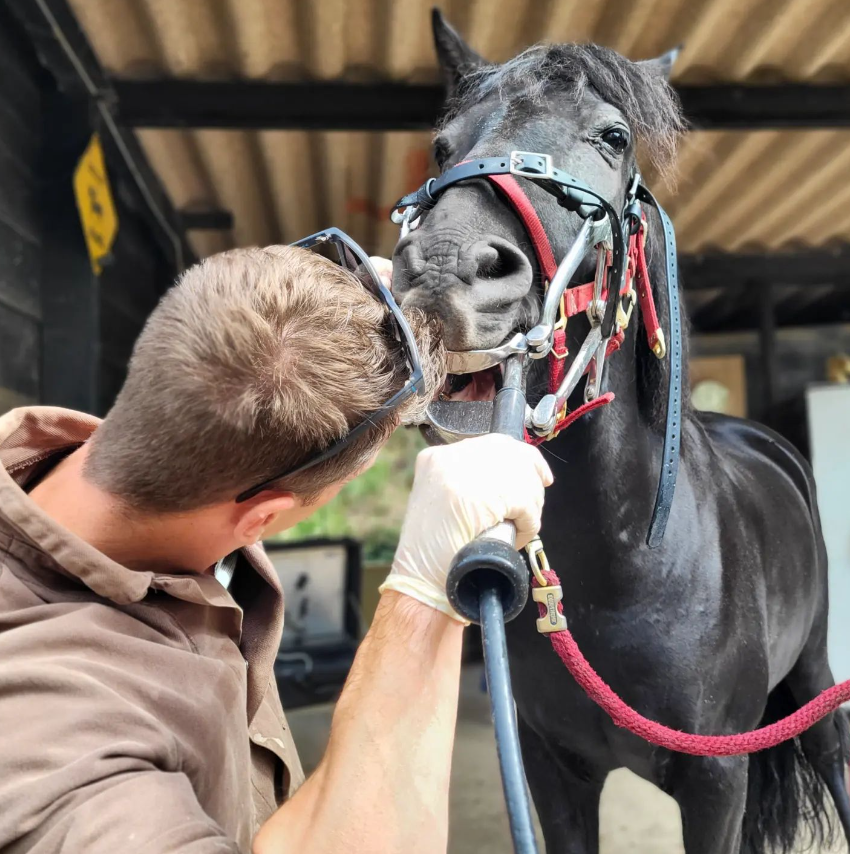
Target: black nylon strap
(673,427)
(426,196)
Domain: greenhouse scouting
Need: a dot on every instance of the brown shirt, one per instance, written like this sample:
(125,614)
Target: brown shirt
(138,711)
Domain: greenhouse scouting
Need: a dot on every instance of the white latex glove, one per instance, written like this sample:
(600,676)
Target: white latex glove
(459,491)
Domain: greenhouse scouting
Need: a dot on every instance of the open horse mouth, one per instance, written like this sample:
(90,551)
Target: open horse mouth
(464,406)
(480,385)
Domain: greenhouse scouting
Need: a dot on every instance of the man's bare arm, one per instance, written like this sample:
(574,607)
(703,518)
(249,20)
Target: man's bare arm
(383,783)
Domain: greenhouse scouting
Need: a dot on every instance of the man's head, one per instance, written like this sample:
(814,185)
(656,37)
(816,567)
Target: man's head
(256,359)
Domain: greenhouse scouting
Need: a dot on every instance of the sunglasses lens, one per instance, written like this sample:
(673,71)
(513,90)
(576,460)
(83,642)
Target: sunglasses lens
(348,259)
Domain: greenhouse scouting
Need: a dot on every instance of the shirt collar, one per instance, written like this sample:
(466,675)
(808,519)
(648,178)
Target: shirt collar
(31,435)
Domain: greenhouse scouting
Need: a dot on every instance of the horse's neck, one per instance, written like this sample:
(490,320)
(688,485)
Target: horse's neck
(608,469)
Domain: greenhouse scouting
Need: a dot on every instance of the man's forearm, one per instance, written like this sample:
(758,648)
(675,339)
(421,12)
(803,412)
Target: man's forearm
(383,782)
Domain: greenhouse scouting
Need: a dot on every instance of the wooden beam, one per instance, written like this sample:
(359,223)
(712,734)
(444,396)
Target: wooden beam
(822,266)
(381,106)
(786,105)
(206,220)
(259,104)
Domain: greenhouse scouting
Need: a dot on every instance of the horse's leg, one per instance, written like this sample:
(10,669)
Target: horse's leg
(823,744)
(566,799)
(711,793)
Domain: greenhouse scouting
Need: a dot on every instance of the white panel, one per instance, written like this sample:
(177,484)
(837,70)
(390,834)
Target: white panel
(829,418)
(313,580)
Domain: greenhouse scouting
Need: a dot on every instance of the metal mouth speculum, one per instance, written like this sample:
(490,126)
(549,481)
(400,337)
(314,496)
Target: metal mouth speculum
(471,361)
(455,420)
(459,419)
(593,232)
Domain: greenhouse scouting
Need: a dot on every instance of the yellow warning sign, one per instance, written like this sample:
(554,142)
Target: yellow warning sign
(94,202)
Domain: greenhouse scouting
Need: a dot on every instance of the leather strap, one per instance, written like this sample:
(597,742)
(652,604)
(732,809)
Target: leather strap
(570,417)
(426,196)
(644,292)
(510,188)
(673,427)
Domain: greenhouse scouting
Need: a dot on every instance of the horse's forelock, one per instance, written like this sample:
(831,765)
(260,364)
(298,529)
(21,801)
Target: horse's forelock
(639,91)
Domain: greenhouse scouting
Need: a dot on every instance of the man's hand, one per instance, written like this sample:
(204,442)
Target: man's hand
(459,491)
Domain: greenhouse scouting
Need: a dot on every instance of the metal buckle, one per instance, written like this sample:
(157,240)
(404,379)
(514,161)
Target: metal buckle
(529,164)
(631,193)
(624,315)
(561,322)
(545,594)
(408,219)
(538,561)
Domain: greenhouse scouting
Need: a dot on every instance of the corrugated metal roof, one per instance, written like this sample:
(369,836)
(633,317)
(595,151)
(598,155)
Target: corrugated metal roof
(736,190)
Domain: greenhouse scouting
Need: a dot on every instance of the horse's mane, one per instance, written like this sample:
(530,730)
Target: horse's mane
(639,90)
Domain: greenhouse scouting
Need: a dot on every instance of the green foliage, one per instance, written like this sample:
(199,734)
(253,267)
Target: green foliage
(371,507)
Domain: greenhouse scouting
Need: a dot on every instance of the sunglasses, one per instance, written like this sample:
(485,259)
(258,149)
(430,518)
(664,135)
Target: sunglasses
(351,257)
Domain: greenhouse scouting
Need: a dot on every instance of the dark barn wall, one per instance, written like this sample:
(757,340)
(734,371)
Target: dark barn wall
(130,288)
(65,334)
(801,356)
(21,85)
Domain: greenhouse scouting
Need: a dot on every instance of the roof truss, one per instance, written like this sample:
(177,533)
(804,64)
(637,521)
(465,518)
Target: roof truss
(384,106)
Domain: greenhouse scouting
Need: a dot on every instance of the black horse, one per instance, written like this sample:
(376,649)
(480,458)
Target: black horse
(724,626)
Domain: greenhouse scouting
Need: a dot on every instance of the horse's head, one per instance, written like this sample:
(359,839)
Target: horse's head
(470,261)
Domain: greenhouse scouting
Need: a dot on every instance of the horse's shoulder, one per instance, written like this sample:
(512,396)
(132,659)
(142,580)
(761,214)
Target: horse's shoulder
(753,447)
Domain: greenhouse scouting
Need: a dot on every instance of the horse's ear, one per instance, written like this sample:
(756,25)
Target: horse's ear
(455,55)
(663,64)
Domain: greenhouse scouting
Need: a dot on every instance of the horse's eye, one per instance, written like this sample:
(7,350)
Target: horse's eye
(616,139)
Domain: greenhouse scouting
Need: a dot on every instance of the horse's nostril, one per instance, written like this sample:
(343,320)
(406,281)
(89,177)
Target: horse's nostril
(498,259)
(489,263)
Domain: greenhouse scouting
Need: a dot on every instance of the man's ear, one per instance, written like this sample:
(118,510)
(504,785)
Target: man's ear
(663,64)
(256,514)
(456,57)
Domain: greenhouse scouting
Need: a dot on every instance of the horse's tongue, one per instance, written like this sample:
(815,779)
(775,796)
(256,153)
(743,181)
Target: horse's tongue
(482,387)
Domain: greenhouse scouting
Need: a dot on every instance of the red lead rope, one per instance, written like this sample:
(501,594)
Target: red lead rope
(626,717)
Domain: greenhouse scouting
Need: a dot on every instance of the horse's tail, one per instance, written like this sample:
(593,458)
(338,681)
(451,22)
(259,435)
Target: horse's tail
(785,794)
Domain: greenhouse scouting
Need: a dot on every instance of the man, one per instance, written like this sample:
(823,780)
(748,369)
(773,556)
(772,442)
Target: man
(138,706)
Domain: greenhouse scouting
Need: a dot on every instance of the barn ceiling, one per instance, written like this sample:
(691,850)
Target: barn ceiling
(737,191)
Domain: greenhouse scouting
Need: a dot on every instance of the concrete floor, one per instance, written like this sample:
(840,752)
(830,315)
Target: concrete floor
(634,815)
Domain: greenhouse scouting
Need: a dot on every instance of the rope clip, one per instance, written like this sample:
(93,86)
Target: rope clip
(544,593)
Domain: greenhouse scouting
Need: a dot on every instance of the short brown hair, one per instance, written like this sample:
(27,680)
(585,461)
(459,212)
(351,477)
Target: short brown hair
(254,360)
